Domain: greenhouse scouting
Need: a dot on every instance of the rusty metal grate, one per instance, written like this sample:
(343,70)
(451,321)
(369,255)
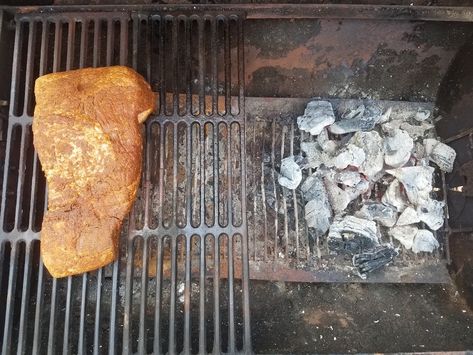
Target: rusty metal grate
(181,283)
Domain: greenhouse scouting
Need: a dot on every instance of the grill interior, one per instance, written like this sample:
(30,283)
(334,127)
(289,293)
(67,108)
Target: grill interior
(209,212)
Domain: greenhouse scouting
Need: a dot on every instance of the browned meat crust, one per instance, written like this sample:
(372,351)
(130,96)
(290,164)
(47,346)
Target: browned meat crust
(88,137)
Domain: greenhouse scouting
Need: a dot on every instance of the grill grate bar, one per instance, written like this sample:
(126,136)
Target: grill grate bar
(231,298)
(143,303)
(6,348)
(39,304)
(230,219)
(27,264)
(162,92)
(188,72)
(175,56)
(202,269)
(52,319)
(82,341)
(24,299)
(201,67)
(174,176)
(34,187)
(263,195)
(228,63)
(29,65)
(128,291)
(216,154)
(97,32)
(21,178)
(70,44)
(203,173)
(202,245)
(216,292)
(67,319)
(188,265)
(273,176)
(7,331)
(187,297)
(83,43)
(158,298)
(110,37)
(294,200)
(213,22)
(15,82)
(57,46)
(15,85)
(98,303)
(113,309)
(172,299)
(284,202)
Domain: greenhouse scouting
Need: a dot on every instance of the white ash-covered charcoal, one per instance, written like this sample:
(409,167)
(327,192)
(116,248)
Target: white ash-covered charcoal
(351,155)
(327,145)
(417,182)
(290,174)
(424,241)
(348,178)
(416,131)
(390,126)
(317,210)
(317,115)
(355,121)
(377,211)
(409,216)
(313,187)
(353,225)
(314,154)
(432,213)
(386,116)
(440,154)
(394,196)
(422,115)
(372,145)
(317,216)
(362,187)
(398,148)
(338,198)
(404,234)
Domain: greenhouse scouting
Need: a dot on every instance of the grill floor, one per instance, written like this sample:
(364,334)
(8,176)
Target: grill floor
(205,218)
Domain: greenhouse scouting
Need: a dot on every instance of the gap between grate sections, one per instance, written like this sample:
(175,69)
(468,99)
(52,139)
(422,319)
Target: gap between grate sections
(181,282)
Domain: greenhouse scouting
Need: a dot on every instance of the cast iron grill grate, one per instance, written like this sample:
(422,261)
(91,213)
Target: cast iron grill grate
(181,283)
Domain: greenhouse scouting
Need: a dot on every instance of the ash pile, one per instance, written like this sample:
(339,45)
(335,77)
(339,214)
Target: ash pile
(367,179)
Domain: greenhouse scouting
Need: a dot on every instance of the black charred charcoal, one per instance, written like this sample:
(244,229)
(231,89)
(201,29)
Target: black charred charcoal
(351,246)
(373,260)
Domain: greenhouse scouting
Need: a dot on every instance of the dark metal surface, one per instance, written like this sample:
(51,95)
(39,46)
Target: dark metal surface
(293,11)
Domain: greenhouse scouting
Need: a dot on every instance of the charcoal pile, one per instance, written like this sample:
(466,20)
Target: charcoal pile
(367,175)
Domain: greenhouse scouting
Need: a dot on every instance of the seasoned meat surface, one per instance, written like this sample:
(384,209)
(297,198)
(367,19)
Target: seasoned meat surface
(87,132)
